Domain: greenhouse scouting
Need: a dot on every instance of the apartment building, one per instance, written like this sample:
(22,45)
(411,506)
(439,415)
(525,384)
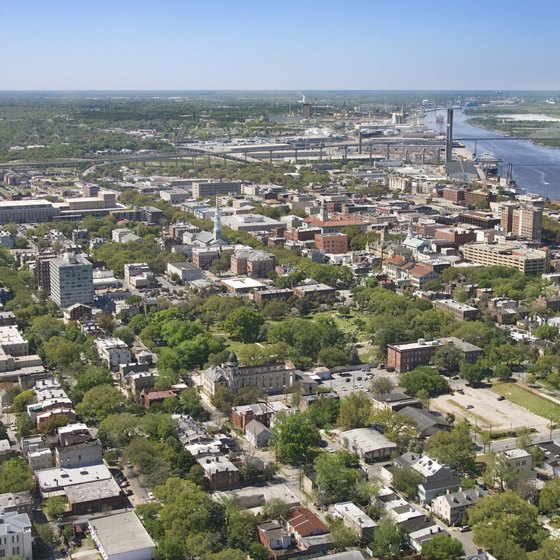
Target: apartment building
(528,261)
(71,280)
(15,535)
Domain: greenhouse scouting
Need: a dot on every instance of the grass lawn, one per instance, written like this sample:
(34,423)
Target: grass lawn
(532,402)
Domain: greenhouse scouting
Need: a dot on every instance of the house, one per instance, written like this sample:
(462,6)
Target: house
(521,462)
(452,508)
(395,401)
(121,536)
(220,471)
(254,497)
(368,444)
(113,352)
(354,518)
(438,478)
(309,532)
(15,535)
(274,536)
(263,412)
(427,423)
(257,434)
(151,397)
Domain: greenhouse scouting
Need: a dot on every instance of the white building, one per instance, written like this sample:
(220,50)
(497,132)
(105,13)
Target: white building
(121,536)
(368,444)
(354,518)
(15,535)
(113,352)
(71,280)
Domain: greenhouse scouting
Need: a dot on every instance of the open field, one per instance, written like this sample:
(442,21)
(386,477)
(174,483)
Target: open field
(522,397)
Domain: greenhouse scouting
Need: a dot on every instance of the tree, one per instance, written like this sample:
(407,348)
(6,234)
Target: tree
(502,371)
(448,357)
(276,508)
(442,547)
(406,481)
(118,430)
(323,412)
(331,357)
(424,378)
(293,437)
(20,402)
(549,498)
(355,410)
(343,537)
(222,399)
(388,541)
(60,352)
(337,476)
(455,448)
(15,476)
(499,472)
(244,324)
(505,517)
(382,385)
(398,428)
(55,507)
(473,373)
(546,332)
(550,550)
(126,334)
(99,402)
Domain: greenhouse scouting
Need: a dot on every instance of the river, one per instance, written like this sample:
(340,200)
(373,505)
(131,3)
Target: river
(535,168)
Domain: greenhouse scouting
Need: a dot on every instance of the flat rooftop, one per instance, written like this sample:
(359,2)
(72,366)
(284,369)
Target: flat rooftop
(119,533)
(90,491)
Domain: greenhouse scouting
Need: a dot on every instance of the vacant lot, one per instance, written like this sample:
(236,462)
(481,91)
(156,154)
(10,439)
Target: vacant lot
(481,407)
(536,404)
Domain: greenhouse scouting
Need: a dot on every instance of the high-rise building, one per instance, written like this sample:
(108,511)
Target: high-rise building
(218,222)
(521,221)
(71,280)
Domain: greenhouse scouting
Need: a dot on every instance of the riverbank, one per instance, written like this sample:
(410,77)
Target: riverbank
(536,168)
(538,130)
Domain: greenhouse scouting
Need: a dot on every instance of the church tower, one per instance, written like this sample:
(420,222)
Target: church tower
(232,369)
(324,212)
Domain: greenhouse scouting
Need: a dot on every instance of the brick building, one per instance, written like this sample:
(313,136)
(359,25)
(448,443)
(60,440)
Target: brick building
(335,243)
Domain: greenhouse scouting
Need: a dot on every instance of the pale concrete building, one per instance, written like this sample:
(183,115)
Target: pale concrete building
(71,280)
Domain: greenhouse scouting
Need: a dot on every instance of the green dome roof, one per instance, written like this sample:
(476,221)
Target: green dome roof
(233,358)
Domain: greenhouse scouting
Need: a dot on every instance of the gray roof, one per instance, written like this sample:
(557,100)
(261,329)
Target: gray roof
(83,493)
(121,532)
(348,555)
(461,170)
(465,497)
(424,420)
(255,427)
(13,522)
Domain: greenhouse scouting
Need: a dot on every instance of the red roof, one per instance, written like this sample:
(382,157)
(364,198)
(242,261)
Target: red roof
(304,522)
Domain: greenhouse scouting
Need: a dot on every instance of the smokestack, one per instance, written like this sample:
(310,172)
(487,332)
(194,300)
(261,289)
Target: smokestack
(449,139)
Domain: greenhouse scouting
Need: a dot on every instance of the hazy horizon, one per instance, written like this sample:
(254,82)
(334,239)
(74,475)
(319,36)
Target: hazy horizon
(250,45)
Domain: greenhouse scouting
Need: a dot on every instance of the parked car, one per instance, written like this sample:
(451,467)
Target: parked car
(501,398)
(469,406)
(465,529)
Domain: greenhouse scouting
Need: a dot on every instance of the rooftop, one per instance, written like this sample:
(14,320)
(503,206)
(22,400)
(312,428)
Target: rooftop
(120,533)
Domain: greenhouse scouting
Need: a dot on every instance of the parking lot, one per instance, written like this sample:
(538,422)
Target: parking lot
(358,380)
(482,407)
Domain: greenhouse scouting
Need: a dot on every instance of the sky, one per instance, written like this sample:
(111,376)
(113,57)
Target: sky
(279,45)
